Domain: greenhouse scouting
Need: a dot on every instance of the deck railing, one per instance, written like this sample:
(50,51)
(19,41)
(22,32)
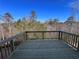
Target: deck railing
(7,46)
(42,35)
(69,38)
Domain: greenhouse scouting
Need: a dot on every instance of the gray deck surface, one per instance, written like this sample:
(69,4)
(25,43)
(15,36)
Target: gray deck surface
(44,49)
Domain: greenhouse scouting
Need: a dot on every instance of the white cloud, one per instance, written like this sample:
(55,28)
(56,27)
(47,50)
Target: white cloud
(74,4)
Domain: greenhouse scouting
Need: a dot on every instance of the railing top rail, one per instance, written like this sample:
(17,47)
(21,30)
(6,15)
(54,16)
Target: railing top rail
(9,39)
(6,40)
(42,31)
(52,31)
(69,33)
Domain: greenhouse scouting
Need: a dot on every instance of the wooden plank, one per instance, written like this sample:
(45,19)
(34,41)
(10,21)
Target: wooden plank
(44,49)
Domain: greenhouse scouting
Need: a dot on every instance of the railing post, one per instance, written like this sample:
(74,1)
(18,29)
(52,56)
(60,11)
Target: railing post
(78,43)
(5,49)
(59,34)
(12,45)
(42,35)
(78,46)
(8,48)
(26,36)
(76,40)
(1,52)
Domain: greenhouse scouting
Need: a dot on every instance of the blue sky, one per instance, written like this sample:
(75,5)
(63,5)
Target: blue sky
(45,9)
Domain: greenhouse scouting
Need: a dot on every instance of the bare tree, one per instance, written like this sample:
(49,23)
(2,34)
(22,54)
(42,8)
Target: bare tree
(33,16)
(70,22)
(2,32)
(1,29)
(55,21)
(8,21)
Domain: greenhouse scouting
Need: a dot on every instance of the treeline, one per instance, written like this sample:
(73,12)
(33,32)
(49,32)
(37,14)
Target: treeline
(9,27)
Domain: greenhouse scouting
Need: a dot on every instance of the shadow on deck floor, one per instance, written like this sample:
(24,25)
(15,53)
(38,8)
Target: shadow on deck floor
(44,49)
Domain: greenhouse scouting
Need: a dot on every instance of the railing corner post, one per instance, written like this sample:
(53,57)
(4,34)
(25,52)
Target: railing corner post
(59,35)
(26,35)
(78,46)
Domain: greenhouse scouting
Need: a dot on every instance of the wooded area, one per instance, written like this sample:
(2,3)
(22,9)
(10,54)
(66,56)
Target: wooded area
(9,27)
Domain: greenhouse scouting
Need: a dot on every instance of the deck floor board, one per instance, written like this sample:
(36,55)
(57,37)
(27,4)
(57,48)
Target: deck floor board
(44,49)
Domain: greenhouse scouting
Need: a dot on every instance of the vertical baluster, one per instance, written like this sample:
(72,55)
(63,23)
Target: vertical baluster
(68,38)
(65,37)
(26,35)
(78,43)
(73,40)
(8,48)
(5,50)
(61,35)
(12,45)
(1,52)
(76,40)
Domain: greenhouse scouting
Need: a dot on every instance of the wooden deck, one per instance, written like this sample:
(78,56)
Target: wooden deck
(44,49)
